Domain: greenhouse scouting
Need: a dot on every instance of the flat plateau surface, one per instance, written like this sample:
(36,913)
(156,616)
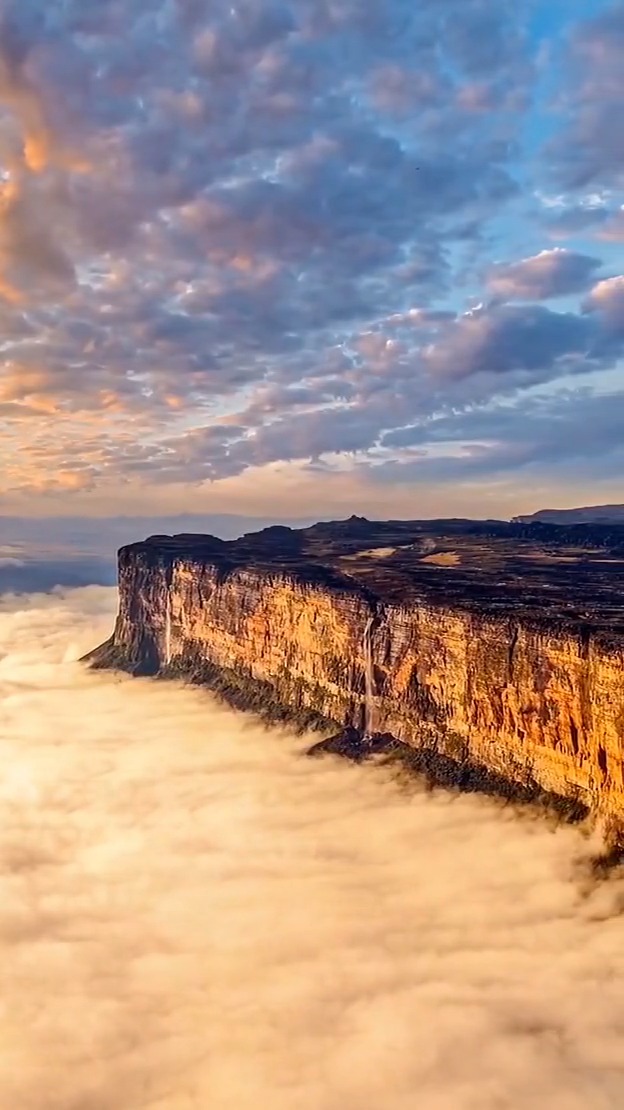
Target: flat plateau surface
(557,575)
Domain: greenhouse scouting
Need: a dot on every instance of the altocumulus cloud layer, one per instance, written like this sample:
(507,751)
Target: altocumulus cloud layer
(251,242)
(194,916)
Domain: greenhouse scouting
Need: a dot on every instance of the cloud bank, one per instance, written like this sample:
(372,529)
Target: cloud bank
(38,554)
(194,915)
(247,242)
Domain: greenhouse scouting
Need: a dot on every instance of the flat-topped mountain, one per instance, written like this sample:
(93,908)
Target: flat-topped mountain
(498,644)
(590,514)
(545,574)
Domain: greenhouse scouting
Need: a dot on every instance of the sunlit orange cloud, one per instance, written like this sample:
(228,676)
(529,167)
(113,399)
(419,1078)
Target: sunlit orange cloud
(10,293)
(24,101)
(40,151)
(73,479)
(25,239)
(40,146)
(46,405)
(64,481)
(111,401)
(43,392)
(9,194)
(19,382)
(37,469)
(36,151)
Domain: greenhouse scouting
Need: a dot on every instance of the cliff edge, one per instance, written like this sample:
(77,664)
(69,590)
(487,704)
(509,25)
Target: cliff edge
(498,645)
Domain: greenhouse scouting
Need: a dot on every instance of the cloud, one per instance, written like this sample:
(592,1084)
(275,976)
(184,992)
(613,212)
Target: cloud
(574,432)
(194,914)
(591,149)
(570,220)
(272,218)
(613,228)
(41,554)
(19,92)
(41,575)
(492,351)
(529,341)
(203,275)
(606,300)
(29,256)
(551,273)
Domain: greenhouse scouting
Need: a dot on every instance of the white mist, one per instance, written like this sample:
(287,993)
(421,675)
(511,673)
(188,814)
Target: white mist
(195,916)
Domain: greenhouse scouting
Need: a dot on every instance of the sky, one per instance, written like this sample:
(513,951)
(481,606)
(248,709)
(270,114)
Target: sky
(193,914)
(312,257)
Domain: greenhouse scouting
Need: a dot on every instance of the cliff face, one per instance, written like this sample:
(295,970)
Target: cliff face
(519,693)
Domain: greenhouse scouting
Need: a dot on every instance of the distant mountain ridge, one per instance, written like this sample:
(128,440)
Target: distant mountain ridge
(591,514)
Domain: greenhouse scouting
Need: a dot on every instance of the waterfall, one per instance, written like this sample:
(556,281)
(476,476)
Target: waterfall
(369,688)
(167,657)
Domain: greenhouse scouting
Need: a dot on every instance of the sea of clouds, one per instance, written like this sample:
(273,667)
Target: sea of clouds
(194,917)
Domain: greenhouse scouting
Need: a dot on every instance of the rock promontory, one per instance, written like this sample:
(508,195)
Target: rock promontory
(495,645)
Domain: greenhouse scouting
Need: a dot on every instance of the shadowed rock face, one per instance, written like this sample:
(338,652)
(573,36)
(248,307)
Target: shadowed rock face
(500,646)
